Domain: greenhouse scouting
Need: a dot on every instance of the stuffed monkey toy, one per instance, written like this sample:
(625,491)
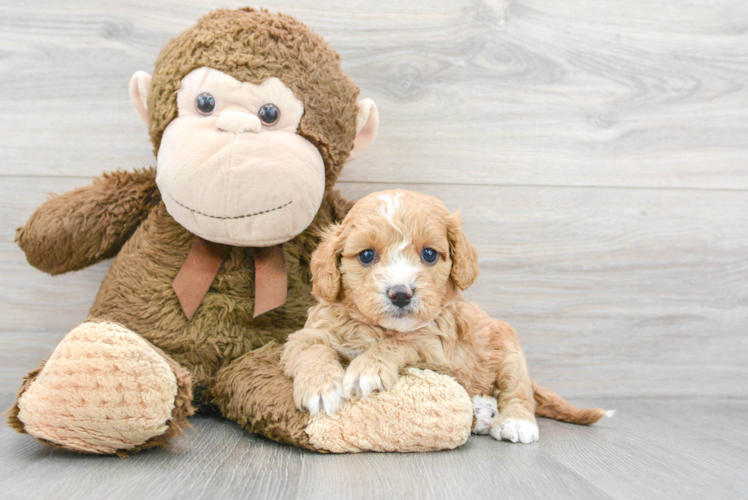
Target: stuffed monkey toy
(251,120)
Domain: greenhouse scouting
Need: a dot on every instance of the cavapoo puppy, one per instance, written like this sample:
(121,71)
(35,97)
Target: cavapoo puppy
(389,281)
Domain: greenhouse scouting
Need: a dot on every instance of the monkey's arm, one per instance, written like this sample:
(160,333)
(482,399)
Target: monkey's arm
(89,224)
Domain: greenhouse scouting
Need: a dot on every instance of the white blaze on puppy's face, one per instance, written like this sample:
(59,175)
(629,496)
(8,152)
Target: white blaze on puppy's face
(390,206)
(399,269)
(398,233)
(227,176)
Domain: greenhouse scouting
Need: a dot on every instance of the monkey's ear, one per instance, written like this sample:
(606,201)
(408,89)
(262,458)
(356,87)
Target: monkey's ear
(367,124)
(324,264)
(464,255)
(140,87)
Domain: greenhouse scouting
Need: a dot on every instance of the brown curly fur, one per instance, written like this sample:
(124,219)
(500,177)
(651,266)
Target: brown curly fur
(121,214)
(241,390)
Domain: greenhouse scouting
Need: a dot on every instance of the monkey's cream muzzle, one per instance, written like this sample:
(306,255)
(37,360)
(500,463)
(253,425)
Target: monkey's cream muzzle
(229,178)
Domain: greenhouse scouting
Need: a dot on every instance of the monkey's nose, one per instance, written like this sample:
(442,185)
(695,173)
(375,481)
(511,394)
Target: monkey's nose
(238,122)
(400,295)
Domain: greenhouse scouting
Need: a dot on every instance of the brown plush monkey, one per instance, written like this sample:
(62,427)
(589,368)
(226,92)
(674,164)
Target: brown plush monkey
(251,118)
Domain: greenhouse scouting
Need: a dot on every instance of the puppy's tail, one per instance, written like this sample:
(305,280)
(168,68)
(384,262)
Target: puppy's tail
(551,405)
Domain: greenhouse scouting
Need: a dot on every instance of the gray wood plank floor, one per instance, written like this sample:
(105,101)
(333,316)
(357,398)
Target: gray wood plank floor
(651,449)
(598,151)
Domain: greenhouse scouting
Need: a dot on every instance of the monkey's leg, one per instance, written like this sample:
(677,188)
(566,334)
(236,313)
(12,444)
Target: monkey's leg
(253,392)
(423,411)
(516,404)
(104,390)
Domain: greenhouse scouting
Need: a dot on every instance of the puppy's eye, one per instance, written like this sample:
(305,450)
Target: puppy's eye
(269,114)
(205,103)
(429,255)
(367,257)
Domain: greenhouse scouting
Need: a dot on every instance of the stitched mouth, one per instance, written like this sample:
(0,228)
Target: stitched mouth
(262,212)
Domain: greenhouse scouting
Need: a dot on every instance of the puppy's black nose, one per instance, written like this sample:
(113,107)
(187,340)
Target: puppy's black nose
(400,295)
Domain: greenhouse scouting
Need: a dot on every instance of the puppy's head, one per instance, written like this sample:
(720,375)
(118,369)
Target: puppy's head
(395,260)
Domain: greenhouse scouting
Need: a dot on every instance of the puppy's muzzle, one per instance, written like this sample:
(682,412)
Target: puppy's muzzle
(400,295)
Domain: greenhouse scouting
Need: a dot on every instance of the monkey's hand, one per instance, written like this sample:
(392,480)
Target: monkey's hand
(89,224)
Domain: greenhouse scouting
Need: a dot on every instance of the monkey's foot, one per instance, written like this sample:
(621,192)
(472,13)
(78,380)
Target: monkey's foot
(423,411)
(105,390)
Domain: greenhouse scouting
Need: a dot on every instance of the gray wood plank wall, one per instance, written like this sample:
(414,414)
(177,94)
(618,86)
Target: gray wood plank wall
(598,152)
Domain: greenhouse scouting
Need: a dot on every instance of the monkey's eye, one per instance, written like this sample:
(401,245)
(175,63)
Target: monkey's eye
(269,114)
(367,257)
(205,103)
(429,255)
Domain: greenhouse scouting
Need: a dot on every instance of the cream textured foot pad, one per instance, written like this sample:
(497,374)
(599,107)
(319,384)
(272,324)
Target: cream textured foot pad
(104,389)
(424,411)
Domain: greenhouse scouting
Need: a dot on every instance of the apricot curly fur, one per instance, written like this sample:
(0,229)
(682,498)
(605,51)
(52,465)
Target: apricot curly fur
(353,321)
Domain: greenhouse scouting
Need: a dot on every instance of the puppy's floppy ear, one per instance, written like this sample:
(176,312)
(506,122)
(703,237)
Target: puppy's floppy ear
(464,255)
(324,264)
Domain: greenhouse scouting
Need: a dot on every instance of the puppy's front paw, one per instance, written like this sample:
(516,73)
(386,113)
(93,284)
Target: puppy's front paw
(364,376)
(320,392)
(514,430)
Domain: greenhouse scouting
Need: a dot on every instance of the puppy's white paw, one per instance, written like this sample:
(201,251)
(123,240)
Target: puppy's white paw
(360,386)
(485,409)
(325,399)
(516,431)
(321,390)
(365,375)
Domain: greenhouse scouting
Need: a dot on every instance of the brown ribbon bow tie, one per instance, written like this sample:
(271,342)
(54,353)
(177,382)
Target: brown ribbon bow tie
(205,259)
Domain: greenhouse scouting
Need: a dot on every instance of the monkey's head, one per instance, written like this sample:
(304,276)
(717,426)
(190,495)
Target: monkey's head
(251,119)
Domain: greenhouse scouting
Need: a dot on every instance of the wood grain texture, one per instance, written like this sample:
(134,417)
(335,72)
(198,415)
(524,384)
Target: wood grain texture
(651,449)
(633,93)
